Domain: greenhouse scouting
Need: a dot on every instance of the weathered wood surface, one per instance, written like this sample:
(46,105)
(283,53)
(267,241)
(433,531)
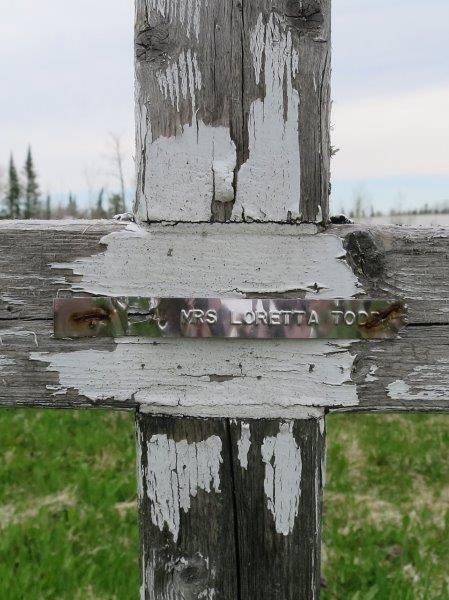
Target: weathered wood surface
(106,257)
(28,283)
(187,521)
(240,377)
(226,508)
(224,377)
(220,82)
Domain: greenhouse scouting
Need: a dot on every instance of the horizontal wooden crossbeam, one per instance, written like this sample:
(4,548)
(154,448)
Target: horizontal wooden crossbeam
(42,260)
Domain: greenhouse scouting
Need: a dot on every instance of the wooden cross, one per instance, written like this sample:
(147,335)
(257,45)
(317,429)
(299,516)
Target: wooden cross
(232,202)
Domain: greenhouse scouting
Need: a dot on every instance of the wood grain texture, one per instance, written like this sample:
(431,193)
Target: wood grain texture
(273,564)
(243,377)
(28,284)
(402,262)
(222,260)
(249,530)
(188,548)
(218,83)
(411,373)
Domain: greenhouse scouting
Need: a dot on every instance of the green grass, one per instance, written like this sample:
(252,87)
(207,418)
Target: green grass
(68,524)
(67,506)
(386,528)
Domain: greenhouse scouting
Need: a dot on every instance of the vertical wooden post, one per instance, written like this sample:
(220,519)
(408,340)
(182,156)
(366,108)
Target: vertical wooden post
(232,125)
(230,509)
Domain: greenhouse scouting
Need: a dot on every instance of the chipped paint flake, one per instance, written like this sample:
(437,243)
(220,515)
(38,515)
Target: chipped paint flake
(12,300)
(244,444)
(371,376)
(268,186)
(175,472)
(6,365)
(283,468)
(17,332)
(425,382)
(181,80)
(203,157)
(173,378)
(186,12)
(216,260)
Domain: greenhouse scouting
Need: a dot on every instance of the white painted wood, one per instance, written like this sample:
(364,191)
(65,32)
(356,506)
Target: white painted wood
(283,467)
(225,378)
(244,444)
(222,133)
(175,472)
(215,260)
(268,186)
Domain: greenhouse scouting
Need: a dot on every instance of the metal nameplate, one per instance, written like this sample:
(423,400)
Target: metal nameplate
(262,318)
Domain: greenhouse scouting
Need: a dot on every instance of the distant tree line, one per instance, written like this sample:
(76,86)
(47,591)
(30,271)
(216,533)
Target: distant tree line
(437,209)
(359,209)
(21,198)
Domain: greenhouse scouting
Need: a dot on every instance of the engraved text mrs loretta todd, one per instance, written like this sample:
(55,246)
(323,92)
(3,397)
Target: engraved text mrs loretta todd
(310,318)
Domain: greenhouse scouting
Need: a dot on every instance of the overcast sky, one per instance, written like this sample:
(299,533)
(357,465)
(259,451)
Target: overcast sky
(67,83)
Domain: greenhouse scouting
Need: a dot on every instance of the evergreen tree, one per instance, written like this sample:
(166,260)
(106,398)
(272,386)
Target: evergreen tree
(116,205)
(13,192)
(48,207)
(99,211)
(72,207)
(32,209)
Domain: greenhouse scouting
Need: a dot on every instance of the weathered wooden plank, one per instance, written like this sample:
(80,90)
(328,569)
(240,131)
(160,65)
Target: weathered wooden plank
(224,378)
(402,262)
(187,520)
(407,374)
(230,510)
(279,523)
(27,250)
(218,83)
(222,260)
(27,382)
(242,377)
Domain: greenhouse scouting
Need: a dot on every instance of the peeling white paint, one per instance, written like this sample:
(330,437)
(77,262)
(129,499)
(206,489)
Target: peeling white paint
(283,468)
(5,363)
(17,332)
(398,390)
(322,425)
(181,79)
(244,444)
(185,12)
(268,186)
(216,260)
(192,155)
(371,375)
(175,472)
(139,463)
(209,594)
(179,376)
(174,377)
(203,157)
(223,172)
(11,300)
(425,382)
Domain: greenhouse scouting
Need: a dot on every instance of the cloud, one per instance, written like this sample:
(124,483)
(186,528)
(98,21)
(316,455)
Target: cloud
(67,81)
(405,134)
(384,47)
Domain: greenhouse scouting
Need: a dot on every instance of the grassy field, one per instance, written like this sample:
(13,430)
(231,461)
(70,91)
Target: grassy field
(68,517)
